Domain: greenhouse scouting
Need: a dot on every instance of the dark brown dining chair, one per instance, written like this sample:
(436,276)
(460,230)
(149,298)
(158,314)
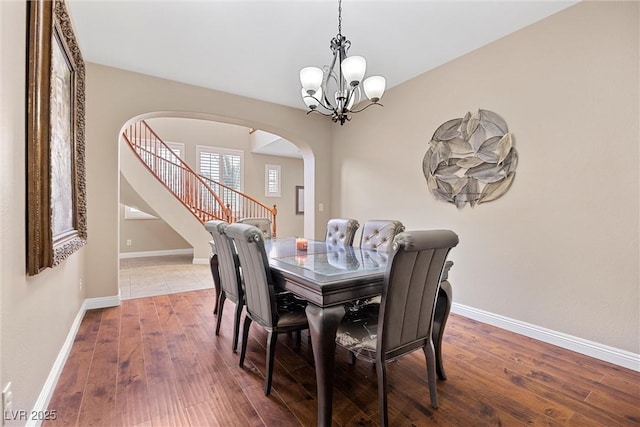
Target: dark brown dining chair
(276,312)
(264,224)
(229,276)
(403,321)
(341,231)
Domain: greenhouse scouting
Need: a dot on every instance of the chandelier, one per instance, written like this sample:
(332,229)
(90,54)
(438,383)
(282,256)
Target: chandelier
(343,81)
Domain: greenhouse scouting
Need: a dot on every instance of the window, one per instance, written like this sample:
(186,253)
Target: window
(272,180)
(173,155)
(222,165)
(176,152)
(134,213)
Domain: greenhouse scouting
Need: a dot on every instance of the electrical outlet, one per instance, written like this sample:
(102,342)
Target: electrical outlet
(7,401)
(321,207)
(129,243)
(80,284)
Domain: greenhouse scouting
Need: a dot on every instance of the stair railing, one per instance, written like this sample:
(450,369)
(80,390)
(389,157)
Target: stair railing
(206,199)
(242,205)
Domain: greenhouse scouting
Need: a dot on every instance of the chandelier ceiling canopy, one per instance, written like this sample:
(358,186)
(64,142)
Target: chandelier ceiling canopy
(334,90)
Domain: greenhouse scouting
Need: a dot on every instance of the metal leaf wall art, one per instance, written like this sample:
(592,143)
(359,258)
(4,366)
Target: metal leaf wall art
(471,160)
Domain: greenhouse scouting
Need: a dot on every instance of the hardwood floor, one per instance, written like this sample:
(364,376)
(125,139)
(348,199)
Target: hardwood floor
(156,361)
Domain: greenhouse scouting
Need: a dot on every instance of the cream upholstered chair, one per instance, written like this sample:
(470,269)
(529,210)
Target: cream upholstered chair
(264,224)
(403,321)
(276,312)
(341,231)
(378,234)
(228,274)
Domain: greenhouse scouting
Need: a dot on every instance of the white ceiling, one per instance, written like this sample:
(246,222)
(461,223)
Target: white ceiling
(256,48)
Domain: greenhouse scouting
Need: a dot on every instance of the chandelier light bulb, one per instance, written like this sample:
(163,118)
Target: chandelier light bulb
(374,87)
(353,69)
(311,79)
(312,101)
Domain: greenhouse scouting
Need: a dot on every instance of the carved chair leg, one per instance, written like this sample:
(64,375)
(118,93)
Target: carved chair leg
(431,373)
(271,351)
(220,307)
(245,336)
(213,264)
(236,325)
(382,392)
(443,307)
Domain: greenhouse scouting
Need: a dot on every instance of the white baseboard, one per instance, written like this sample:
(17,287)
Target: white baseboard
(596,350)
(50,384)
(201,261)
(124,255)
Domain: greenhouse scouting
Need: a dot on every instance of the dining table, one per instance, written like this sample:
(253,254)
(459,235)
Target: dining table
(330,278)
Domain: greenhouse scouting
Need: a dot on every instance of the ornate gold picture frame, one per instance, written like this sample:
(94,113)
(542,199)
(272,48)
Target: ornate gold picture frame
(56,193)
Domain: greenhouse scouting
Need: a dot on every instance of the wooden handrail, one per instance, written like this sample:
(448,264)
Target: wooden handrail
(205,198)
(249,207)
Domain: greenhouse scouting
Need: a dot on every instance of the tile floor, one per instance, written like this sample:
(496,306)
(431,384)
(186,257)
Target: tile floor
(144,277)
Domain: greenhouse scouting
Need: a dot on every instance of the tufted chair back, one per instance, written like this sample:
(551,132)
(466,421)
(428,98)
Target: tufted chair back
(378,234)
(341,231)
(264,224)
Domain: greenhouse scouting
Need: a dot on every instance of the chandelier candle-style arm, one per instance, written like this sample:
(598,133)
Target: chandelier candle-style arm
(343,79)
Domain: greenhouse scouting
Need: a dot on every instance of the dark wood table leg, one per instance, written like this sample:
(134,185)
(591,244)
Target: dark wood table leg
(323,324)
(213,261)
(443,307)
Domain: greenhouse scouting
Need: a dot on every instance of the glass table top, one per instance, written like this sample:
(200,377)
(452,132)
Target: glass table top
(337,262)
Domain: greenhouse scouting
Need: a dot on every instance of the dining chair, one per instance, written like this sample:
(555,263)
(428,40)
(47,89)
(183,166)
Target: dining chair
(378,234)
(229,276)
(264,224)
(276,312)
(403,321)
(341,231)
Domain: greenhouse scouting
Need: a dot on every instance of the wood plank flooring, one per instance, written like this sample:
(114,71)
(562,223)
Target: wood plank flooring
(156,361)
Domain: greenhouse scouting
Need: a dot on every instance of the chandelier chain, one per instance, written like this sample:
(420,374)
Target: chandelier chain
(340,17)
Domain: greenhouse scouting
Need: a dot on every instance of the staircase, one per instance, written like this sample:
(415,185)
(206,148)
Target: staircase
(206,199)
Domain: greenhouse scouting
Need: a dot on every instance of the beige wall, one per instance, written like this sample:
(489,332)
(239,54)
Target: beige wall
(35,312)
(192,133)
(148,235)
(115,97)
(560,249)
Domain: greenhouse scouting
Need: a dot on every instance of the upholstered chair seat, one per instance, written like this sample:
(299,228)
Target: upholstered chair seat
(341,231)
